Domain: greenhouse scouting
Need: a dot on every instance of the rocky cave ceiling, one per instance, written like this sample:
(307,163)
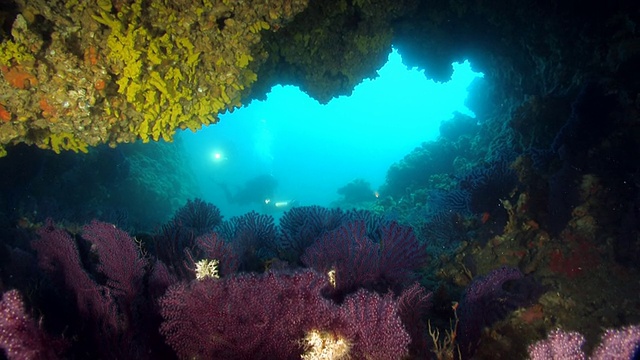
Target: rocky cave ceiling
(77,75)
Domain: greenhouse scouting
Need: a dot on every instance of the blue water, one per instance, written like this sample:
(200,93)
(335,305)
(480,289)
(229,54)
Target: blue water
(310,149)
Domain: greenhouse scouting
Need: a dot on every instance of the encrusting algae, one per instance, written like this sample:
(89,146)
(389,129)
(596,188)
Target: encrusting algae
(78,74)
(322,345)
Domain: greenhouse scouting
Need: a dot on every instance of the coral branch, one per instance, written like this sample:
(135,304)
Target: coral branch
(247,316)
(58,253)
(20,336)
(119,258)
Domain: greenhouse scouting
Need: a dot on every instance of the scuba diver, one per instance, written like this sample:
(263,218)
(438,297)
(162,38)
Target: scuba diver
(257,190)
(270,207)
(254,191)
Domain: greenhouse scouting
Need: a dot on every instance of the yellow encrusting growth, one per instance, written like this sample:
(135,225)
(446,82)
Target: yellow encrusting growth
(12,52)
(207,268)
(66,141)
(127,70)
(331,275)
(324,345)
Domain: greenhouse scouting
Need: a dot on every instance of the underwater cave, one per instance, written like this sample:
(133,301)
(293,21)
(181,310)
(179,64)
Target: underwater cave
(512,234)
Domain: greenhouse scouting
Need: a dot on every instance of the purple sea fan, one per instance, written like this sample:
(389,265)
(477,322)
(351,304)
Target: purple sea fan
(618,344)
(58,254)
(353,260)
(246,316)
(169,245)
(413,305)
(373,221)
(348,255)
(490,298)
(198,216)
(443,230)
(252,237)
(374,326)
(559,345)
(20,336)
(110,312)
(213,247)
(301,226)
(400,254)
(120,259)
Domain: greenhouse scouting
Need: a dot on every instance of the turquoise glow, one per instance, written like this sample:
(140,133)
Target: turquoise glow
(313,149)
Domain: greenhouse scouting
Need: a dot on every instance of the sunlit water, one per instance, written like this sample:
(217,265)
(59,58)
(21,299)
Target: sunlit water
(310,149)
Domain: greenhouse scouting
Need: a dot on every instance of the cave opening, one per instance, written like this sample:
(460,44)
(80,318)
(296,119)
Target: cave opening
(312,149)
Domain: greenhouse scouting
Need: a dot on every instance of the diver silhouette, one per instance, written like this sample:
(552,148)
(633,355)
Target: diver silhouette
(255,191)
(269,206)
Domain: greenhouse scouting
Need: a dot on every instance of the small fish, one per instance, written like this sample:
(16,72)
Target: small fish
(485,217)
